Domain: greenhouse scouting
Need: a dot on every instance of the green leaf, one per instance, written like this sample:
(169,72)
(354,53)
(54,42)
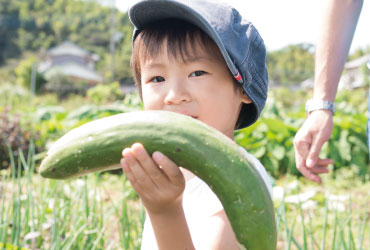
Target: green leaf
(259,152)
(335,154)
(345,146)
(278,151)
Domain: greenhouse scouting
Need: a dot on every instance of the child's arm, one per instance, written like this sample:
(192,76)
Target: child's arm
(219,234)
(160,189)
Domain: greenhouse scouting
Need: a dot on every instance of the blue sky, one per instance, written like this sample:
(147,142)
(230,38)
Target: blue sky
(283,22)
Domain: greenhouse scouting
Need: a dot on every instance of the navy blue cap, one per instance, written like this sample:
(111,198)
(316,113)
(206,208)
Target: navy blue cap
(237,39)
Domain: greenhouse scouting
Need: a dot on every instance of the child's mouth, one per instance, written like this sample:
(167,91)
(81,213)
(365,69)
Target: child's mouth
(187,114)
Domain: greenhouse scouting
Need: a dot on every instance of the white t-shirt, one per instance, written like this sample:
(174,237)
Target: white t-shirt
(199,203)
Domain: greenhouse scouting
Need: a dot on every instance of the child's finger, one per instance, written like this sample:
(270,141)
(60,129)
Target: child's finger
(128,172)
(149,166)
(142,179)
(169,168)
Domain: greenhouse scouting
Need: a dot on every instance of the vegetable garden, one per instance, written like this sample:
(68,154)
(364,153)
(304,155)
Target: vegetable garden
(102,211)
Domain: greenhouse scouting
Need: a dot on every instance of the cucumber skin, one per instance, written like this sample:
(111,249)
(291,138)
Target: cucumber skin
(212,156)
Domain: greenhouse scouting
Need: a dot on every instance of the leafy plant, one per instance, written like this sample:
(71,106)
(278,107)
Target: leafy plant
(24,73)
(62,86)
(14,96)
(105,93)
(291,64)
(13,138)
(271,139)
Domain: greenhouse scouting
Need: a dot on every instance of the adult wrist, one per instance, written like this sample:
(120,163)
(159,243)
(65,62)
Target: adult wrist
(314,104)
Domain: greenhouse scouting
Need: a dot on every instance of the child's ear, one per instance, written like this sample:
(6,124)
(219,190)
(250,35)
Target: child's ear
(245,98)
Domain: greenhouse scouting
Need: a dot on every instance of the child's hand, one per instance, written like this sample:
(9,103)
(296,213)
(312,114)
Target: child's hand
(158,180)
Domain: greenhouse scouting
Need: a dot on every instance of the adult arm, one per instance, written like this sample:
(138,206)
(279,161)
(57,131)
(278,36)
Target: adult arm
(334,40)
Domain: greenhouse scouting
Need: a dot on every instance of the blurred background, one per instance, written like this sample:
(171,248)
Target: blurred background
(66,62)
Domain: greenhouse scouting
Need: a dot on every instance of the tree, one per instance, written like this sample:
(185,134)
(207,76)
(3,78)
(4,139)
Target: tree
(9,23)
(292,64)
(24,74)
(36,25)
(359,53)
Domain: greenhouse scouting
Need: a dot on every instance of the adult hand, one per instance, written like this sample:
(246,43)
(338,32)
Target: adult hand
(308,142)
(158,181)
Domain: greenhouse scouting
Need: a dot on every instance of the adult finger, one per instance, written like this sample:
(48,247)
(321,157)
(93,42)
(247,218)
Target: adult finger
(318,170)
(324,162)
(310,175)
(320,123)
(301,148)
(314,152)
(172,171)
(321,166)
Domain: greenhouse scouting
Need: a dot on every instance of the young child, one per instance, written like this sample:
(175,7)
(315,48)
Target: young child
(200,59)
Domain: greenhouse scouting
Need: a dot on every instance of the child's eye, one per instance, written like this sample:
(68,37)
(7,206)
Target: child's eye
(157,79)
(198,73)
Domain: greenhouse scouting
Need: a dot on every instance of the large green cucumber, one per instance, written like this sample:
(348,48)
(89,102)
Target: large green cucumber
(209,154)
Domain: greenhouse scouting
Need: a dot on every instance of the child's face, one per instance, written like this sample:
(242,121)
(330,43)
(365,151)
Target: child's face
(200,87)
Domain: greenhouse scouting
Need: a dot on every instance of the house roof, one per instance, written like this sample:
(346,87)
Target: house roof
(68,48)
(307,84)
(357,62)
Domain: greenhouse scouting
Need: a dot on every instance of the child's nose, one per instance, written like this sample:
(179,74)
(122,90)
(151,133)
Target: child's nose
(177,94)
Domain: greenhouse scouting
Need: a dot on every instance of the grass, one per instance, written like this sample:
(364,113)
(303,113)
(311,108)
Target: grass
(337,216)
(95,212)
(101,211)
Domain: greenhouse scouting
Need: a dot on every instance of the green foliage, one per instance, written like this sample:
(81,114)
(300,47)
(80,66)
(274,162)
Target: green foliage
(6,75)
(51,122)
(270,139)
(48,122)
(13,96)
(13,137)
(102,211)
(98,212)
(365,71)
(91,112)
(133,101)
(9,23)
(329,216)
(122,71)
(24,74)
(348,144)
(62,86)
(292,64)
(103,93)
(35,25)
(9,246)
(359,53)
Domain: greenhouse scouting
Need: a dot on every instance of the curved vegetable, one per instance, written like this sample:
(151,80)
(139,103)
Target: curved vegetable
(209,154)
